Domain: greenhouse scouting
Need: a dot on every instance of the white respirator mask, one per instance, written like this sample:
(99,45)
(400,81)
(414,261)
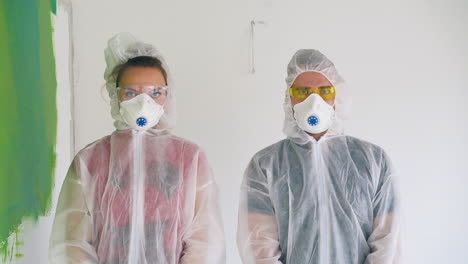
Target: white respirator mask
(314,115)
(141,112)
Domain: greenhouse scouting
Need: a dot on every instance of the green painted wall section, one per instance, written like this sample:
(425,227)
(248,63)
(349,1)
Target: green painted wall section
(28,112)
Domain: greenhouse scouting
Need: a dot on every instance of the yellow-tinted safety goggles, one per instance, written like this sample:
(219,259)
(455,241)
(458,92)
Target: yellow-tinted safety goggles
(301,93)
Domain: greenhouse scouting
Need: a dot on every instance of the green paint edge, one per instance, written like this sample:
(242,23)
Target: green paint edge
(27,144)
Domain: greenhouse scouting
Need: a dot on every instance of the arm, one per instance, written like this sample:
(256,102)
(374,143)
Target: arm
(70,241)
(204,239)
(384,241)
(257,233)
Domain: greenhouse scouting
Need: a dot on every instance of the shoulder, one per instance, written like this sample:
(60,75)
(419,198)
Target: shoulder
(190,153)
(184,149)
(100,146)
(360,141)
(186,145)
(93,158)
(363,147)
(271,151)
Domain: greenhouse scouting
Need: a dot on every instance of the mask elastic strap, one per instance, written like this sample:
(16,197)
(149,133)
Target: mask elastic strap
(333,117)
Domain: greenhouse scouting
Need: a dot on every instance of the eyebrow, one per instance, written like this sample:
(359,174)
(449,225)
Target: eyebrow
(129,88)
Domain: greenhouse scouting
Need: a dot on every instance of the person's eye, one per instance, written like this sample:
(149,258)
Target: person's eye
(304,91)
(328,89)
(155,93)
(129,94)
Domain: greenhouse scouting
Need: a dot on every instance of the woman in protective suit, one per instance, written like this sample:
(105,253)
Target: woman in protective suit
(140,195)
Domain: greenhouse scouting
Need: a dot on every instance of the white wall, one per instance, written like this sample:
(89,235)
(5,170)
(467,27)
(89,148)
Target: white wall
(406,62)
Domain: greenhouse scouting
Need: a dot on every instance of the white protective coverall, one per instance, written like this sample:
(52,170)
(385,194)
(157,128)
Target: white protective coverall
(331,201)
(138,197)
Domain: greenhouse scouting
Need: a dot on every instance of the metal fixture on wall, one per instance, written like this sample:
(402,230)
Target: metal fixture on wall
(253,24)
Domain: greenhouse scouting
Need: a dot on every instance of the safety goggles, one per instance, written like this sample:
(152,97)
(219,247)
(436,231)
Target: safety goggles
(301,93)
(158,93)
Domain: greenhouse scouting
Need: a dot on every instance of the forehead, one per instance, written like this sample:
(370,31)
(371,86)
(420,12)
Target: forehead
(311,79)
(142,75)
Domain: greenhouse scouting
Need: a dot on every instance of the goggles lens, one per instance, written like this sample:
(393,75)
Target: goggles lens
(301,93)
(126,93)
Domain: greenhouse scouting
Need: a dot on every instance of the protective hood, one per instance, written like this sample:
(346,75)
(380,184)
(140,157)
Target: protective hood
(310,60)
(120,48)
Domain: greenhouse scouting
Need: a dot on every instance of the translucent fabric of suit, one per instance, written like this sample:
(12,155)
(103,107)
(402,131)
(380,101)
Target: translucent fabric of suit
(138,197)
(334,200)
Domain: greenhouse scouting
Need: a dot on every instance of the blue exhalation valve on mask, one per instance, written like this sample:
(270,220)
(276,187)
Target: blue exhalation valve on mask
(141,121)
(313,120)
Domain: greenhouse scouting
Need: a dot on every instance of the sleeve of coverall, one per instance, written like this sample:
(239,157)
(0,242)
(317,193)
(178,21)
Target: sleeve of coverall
(384,240)
(71,236)
(204,240)
(257,232)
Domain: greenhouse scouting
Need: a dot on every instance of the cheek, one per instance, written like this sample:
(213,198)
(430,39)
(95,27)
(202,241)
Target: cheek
(294,101)
(162,101)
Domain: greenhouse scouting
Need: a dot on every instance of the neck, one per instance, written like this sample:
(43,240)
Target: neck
(318,136)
